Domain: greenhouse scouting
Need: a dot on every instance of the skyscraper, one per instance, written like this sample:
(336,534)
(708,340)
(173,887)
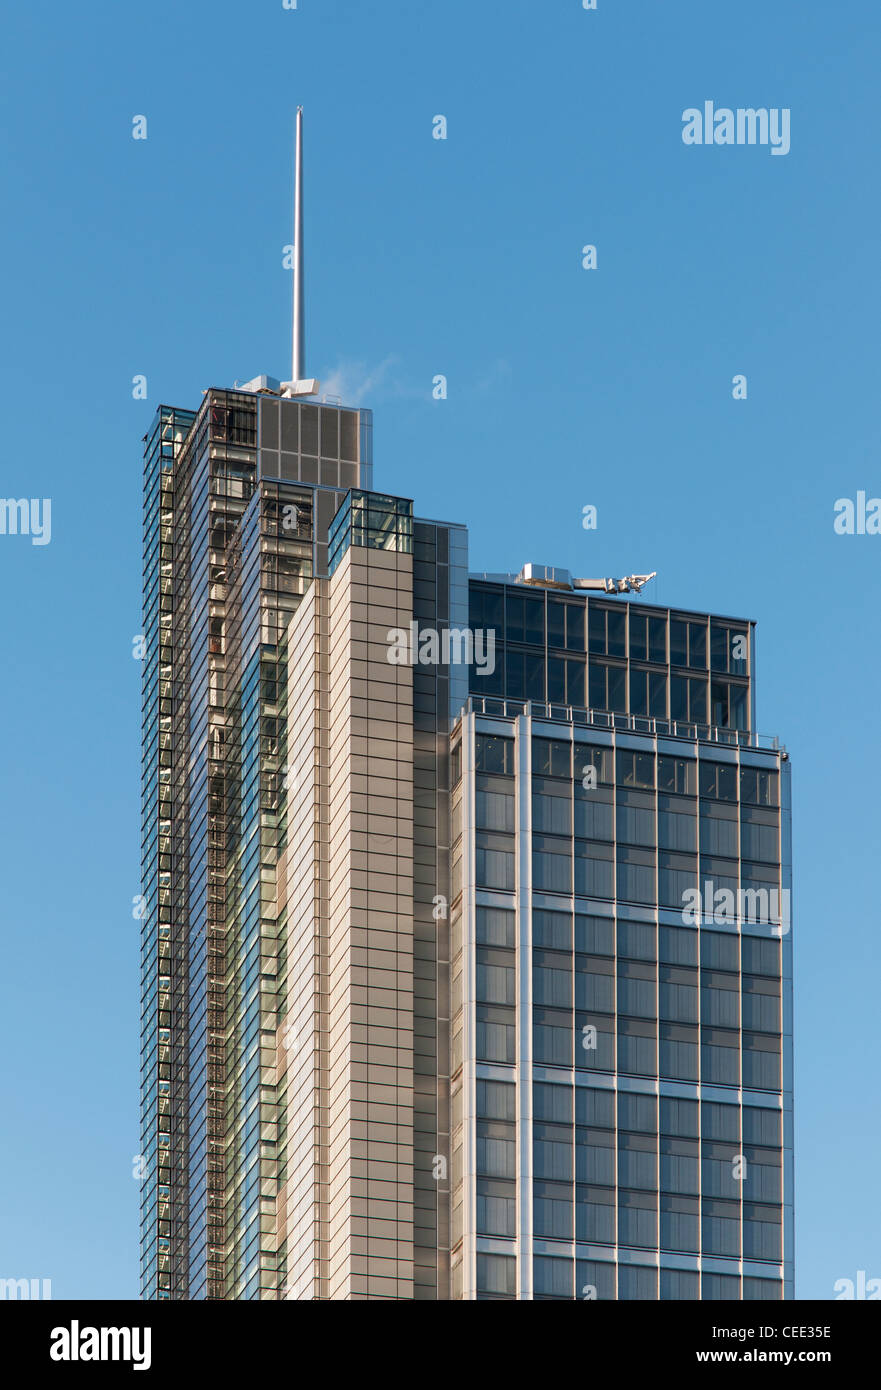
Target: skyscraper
(621,958)
(437,1001)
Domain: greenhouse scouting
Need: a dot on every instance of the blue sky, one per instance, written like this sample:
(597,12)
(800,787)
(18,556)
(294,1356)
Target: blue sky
(566,387)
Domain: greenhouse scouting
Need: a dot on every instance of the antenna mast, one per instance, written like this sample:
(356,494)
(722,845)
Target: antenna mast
(299,335)
(299,385)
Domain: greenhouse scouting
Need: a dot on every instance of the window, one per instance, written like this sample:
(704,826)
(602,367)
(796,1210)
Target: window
(636,822)
(495,810)
(677,875)
(594,1279)
(759,840)
(648,693)
(761,1006)
(553,1210)
(719,950)
(678,995)
(761,1126)
(648,637)
(593,815)
(524,675)
(636,1112)
(636,990)
(495,867)
(565,624)
(718,780)
(762,1288)
(761,1239)
(688,643)
(680,1166)
(637,1221)
(636,1047)
(551,1102)
(677,830)
(679,1284)
(719,1007)
(761,1062)
(595,935)
(762,1176)
(595,1214)
(637,1162)
(551,865)
(678,775)
(495,976)
(608,689)
(496,1100)
(595,1157)
(720,1232)
(636,875)
(456,765)
(495,1208)
(551,979)
(728,705)
(594,871)
(678,1052)
(495,926)
(552,1037)
(679,1117)
(551,758)
(729,648)
(759,788)
(634,769)
(718,833)
(720,1287)
(495,1033)
(599,759)
(606,627)
(637,1282)
(496,1275)
(720,1057)
(495,1149)
(494,754)
(636,940)
(552,929)
(678,945)
(524,618)
(575,686)
(594,989)
(717,1176)
(551,815)
(595,1107)
(485,608)
(680,1224)
(552,1152)
(720,1122)
(553,1278)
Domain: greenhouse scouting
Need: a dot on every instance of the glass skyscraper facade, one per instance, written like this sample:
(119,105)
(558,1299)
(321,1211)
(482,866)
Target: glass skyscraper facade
(621,960)
(462,978)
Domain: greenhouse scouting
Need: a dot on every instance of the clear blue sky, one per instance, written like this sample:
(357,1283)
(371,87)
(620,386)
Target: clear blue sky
(566,387)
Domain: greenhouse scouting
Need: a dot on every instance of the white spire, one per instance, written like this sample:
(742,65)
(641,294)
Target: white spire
(299,385)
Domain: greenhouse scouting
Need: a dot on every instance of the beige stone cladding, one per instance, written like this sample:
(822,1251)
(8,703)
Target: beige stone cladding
(347,1040)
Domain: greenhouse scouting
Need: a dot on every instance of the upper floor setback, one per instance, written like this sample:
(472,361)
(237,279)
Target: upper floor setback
(613,655)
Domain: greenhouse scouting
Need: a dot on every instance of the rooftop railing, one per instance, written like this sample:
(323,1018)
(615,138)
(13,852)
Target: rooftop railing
(627,723)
